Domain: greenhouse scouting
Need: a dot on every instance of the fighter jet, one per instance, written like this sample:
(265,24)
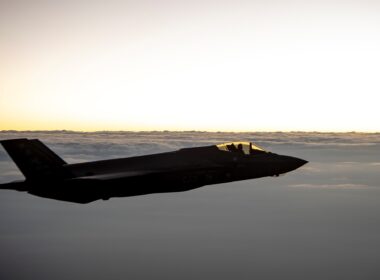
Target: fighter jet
(47,175)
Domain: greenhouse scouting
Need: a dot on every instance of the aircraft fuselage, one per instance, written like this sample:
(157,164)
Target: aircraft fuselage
(180,170)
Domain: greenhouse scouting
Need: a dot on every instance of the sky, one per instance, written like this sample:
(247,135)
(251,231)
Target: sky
(190,65)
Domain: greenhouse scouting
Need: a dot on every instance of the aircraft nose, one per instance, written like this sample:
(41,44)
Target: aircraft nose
(294,163)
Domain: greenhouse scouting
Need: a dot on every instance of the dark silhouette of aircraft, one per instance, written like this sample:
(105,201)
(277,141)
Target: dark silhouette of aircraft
(47,175)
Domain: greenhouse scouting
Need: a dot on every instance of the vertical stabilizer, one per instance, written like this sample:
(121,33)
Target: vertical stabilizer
(34,159)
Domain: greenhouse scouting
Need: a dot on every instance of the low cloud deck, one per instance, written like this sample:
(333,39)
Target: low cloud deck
(321,220)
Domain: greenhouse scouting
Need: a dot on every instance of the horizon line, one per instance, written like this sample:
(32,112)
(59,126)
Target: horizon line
(193,131)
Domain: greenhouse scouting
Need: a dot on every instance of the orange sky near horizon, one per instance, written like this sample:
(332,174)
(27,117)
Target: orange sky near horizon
(174,65)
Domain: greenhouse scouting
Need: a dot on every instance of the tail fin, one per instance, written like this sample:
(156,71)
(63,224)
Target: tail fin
(34,159)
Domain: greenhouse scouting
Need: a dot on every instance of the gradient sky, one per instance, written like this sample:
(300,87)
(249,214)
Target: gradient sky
(190,65)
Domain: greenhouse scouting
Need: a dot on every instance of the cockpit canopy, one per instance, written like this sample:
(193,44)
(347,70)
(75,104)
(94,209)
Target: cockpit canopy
(246,148)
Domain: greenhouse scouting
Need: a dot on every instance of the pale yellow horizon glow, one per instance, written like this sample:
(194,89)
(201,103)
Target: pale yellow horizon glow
(235,66)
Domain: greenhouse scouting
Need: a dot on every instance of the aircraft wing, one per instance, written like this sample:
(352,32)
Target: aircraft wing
(146,173)
(86,189)
(131,183)
(118,175)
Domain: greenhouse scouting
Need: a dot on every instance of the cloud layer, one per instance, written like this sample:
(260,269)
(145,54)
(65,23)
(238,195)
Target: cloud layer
(313,221)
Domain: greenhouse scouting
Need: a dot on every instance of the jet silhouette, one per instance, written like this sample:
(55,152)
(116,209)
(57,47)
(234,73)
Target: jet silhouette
(48,175)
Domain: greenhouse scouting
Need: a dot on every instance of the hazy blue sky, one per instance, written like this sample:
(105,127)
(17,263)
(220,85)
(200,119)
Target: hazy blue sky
(205,65)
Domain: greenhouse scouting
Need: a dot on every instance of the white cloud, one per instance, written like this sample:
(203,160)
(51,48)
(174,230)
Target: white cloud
(327,153)
(332,186)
